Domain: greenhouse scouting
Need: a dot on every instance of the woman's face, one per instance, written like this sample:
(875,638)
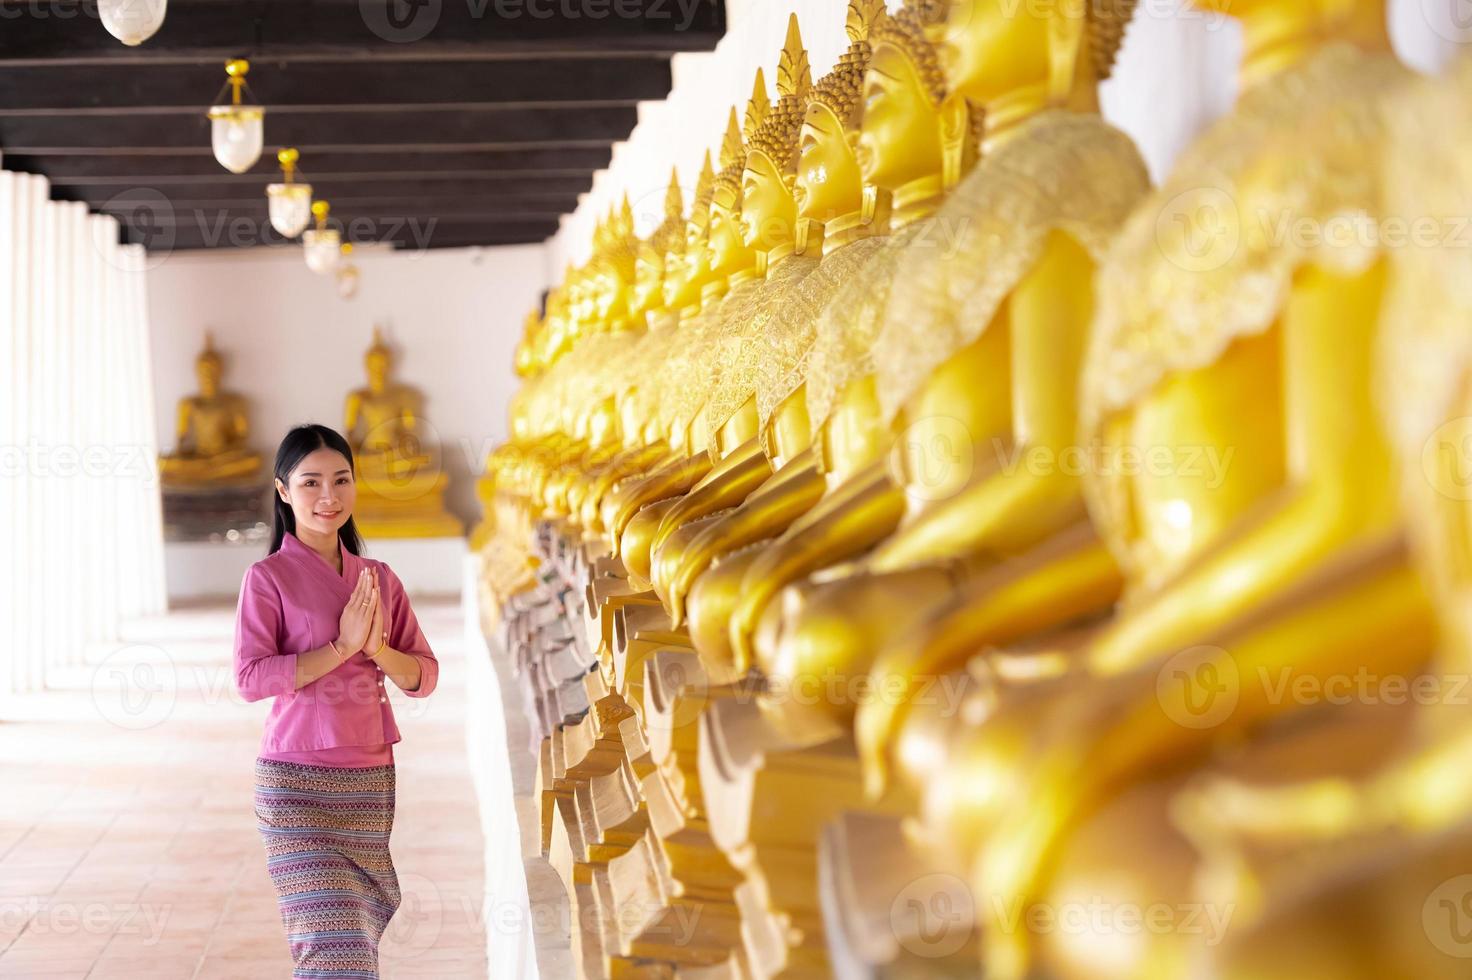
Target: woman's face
(320,491)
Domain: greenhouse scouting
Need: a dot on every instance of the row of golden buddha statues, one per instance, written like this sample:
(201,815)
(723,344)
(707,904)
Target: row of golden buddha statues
(936,553)
(214,478)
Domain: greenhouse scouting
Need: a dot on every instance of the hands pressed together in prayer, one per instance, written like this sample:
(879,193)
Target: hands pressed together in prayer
(361,626)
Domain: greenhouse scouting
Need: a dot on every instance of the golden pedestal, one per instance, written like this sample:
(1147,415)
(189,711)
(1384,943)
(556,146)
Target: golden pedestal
(403,499)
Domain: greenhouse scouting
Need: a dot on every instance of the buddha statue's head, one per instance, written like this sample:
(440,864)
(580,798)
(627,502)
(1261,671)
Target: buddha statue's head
(686,267)
(524,360)
(208,367)
(728,252)
(769,220)
(612,269)
(650,262)
(377,361)
(549,339)
(993,48)
(829,181)
(913,127)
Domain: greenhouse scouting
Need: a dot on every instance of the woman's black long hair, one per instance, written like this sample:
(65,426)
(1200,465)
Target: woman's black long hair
(301,442)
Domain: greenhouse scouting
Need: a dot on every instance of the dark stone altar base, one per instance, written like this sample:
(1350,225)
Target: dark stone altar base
(222,513)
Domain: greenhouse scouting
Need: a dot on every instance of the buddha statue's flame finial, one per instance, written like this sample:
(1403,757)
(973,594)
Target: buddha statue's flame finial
(209,355)
(862,16)
(671,232)
(777,138)
(674,199)
(625,217)
(842,89)
(705,188)
(794,74)
(731,146)
(758,107)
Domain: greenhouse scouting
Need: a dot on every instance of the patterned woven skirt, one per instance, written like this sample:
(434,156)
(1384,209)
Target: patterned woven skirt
(326,832)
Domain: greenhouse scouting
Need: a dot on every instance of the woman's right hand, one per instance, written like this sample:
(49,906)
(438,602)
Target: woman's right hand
(357,615)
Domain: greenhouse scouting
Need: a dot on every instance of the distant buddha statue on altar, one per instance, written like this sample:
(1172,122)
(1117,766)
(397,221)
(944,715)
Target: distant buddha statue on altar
(401,484)
(211,433)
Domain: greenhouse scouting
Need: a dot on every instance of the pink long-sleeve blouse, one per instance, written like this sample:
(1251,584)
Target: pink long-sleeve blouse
(290,602)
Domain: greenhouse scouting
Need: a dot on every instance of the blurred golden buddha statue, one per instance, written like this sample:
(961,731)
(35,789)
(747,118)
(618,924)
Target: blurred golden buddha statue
(400,482)
(830,203)
(916,141)
(212,432)
(786,250)
(978,356)
(1352,864)
(1212,336)
(732,282)
(687,272)
(636,374)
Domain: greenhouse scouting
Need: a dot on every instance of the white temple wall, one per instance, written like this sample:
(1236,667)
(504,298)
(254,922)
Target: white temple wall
(294,348)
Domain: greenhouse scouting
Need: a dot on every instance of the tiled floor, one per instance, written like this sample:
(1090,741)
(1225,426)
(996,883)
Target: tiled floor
(128,846)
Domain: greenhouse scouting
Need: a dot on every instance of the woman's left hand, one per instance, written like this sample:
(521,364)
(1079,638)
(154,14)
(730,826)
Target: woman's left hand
(377,633)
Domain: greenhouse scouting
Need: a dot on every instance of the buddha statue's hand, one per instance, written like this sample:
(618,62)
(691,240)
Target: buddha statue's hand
(998,513)
(765,513)
(870,509)
(1072,578)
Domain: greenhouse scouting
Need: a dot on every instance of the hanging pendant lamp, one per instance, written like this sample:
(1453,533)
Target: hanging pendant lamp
(290,202)
(321,245)
(237,128)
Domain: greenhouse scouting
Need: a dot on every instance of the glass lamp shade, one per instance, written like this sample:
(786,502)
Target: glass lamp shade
(290,207)
(237,133)
(322,248)
(132,21)
(347,280)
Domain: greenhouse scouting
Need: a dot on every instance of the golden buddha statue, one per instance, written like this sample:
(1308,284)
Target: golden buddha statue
(916,141)
(850,218)
(770,227)
(637,372)
(732,281)
(1348,864)
(592,406)
(979,352)
(1211,334)
(400,483)
(212,433)
(687,272)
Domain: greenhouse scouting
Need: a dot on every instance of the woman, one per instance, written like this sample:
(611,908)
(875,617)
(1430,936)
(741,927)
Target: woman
(319,628)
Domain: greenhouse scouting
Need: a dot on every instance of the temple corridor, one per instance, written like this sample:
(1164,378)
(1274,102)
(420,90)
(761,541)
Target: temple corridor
(128,846)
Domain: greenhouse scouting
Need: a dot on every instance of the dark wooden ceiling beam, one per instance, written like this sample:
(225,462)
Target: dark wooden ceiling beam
(504,127)
(53,89)
(343,216)
(68,32)
(427,123)
(559,188)
(200,167)
(164,239)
